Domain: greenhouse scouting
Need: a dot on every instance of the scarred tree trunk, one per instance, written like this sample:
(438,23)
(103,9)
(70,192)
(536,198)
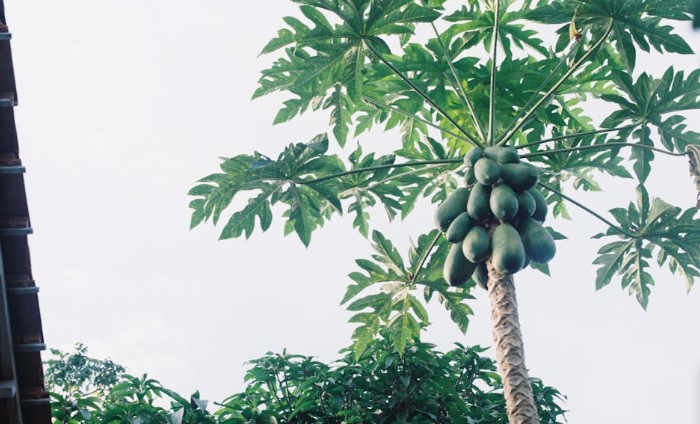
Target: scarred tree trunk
(520,403)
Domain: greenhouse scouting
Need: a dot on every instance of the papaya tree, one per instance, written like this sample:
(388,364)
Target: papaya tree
(495,104)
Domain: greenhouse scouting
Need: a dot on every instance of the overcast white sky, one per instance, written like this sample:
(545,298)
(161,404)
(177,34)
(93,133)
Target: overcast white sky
(125,104)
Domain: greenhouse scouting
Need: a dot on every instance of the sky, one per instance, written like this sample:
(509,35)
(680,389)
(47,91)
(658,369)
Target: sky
(125,104)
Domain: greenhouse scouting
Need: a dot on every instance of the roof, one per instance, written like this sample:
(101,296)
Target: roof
(23,397)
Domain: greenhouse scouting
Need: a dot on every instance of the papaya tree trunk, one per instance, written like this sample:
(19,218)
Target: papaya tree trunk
(520,403)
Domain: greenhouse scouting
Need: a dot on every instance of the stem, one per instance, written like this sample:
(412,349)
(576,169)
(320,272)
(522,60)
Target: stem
(285,393)
(379,168)
(539,89)
(590,211)
(600,146)
(494,53)
(458,85)
(422,94)
(417,118)
(423,258)
(510,352)
(558,84)
(563,137)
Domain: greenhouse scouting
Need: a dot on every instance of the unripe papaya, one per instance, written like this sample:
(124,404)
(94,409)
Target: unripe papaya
(520,176)
(481,276)
(459,228)
(478,203)
(472,156)
(507,250)
(539,244)
(457,268)
(487,172)
(526,205)
(450,209)
(540,213)
(502,154)
(266,417)
(469,177)
(477,244)
(503,202)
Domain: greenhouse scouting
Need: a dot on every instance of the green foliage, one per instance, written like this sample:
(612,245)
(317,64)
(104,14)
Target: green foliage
(77,372)
(381,386)
(132,400)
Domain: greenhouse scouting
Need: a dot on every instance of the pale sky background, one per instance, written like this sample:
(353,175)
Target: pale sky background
(125,104)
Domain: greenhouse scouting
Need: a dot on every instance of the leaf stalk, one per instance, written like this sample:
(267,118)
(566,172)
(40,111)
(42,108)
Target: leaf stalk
(379,168)
(492,88)
(590,211)
(600,146)
(581,134)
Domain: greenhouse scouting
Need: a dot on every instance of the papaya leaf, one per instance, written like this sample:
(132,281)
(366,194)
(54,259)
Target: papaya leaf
(383,293)
(325,63)
(243,221)
(272,182)
(635,24)
(664,231)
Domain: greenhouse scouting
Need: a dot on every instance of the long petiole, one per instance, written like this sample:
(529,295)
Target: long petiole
(556,86)
(380,168)
(423,95)
(590,211)
(583,134)
(490,138)
(423,258)
(600,146)
(457,85)
(415,117)
(393,177)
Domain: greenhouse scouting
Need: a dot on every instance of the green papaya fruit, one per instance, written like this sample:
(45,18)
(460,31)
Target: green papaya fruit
(487,172)
(520,176)
(459,228)
(457,269)
(502,154)
(472,156)
(469,177)
(507,250)
(540,212)
(503,202)
(477,244)
(450,209)
(266,417)
(526,205)
(478,203)
(539,244)
(481,276)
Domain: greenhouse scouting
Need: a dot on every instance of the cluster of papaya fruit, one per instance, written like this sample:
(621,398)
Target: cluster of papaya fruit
(498,215)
